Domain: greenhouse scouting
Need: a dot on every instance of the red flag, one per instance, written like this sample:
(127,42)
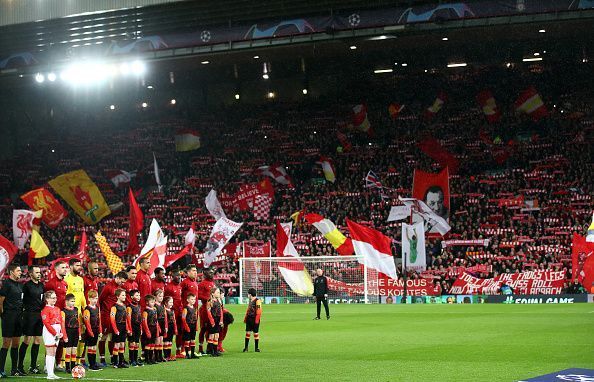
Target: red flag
(373,247)
(489,106)
(438,153)
(530,103)
(360,120)
(344,142)
(42,199)
(136,223)
(7,253)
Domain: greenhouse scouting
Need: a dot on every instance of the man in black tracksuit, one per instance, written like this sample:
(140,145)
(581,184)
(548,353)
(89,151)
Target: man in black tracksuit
(321,293)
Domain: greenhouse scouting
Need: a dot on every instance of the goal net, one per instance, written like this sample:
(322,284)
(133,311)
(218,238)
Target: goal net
(283,280)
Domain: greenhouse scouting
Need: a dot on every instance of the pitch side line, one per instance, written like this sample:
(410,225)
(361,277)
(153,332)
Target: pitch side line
(106,379)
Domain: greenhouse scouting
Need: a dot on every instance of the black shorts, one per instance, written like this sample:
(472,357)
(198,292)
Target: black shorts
(12,323)
(190,336)
(136,333)
(32,324)
(214,329)
(251,326)
(72,334)
(91,341)
(170,333)
(162,326)
(151,340)
(117,338)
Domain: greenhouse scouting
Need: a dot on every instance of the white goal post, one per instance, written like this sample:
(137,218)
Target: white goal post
(284,280)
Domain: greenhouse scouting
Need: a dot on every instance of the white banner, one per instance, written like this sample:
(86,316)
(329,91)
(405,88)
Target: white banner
(222,232)
(214,206)
(399,213)
(413,246)
(22,225)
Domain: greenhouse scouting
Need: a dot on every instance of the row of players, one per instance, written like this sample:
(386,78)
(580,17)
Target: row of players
(113,316)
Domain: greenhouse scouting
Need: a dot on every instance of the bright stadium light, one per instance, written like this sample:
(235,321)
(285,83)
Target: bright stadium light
(457,65)
(144,105)
(541,31)
(205,62)
(404,64)
(304,91)
(124,68)
(271,95)
(51,77)
(173,101)
(138,67)
(444,39)
(111,107)
(265,76)
(379,71)
(237,96)
(39,78)
(353,47)
(532,59)
(256,57)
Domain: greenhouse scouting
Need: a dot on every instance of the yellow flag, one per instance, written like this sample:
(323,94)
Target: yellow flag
(113,261)
(82,195)
(38,248)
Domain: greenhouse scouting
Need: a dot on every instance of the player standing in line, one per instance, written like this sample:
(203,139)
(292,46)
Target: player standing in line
(11,310)
(214,310)
(252,320)
(32,324)
(134,314)
(204,288)
(53,331)
(173,290)
(120,328)
(171,329)
(93,329)
(190,326)
(73,333)
(163,325)
(107,299)
(76,286)
(150,328)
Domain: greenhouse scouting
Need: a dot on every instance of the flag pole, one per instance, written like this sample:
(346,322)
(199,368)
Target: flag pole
(404,275)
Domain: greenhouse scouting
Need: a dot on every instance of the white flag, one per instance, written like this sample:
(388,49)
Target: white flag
(22,225)
(214,206)
(413,246)
(399,213)
(222,232)
(157,177)
(432,220)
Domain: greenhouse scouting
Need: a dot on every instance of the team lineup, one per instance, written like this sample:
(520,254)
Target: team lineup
(80,325)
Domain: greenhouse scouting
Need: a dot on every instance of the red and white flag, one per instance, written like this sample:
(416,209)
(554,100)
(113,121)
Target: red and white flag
(373,249)
(7,253)
(489,106)
(262,206)
(292,269)
(360,120)
(23,223)
(155,248)
(121,177)
(189,241)
(328,169)
(284,245)
(276,172)
(530,103)
(214,206)
(222,232)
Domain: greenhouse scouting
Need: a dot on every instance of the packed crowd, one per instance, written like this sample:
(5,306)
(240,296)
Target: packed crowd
(548,162)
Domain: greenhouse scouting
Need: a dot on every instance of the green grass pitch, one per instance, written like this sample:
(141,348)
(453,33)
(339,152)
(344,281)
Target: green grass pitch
(391,343)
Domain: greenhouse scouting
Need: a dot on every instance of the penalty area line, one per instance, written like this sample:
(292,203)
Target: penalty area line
(109,379)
